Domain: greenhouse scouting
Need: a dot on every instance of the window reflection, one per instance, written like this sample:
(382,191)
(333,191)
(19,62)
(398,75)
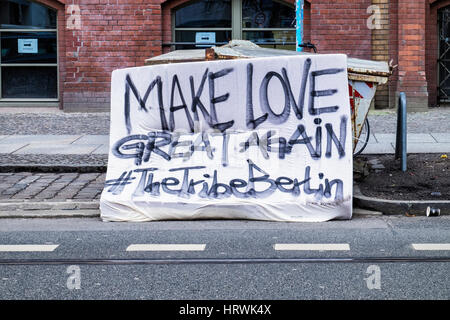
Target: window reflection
(267,14)
(192,36)
(22,14)
(204,14)
(29,82)
(270,22)
(29,47)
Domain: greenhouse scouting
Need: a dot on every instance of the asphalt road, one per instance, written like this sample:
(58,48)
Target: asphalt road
(376,257)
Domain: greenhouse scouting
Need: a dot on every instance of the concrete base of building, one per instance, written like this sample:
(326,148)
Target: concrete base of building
(413,103)
(86,107)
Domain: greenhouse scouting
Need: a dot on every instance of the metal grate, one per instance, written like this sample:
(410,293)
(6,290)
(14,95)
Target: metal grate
(444,55)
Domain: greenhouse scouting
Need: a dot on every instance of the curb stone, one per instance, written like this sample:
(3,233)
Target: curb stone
(79,168)
(85,213)
(53,206)
(59,209)
(398,207)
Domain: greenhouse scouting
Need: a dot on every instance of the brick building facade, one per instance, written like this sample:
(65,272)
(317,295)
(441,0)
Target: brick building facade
(94,37)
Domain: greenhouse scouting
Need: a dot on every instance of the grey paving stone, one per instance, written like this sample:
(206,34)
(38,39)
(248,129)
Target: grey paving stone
(440,137)
(428,148)
(93,139)
(372,138)
(29,179)
(54,149)
(41,139)
(103,149)
(10,148)
(420,137)
(384,137)
(378,148)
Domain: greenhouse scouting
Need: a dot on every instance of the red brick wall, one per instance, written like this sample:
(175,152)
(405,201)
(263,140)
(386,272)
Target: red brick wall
(411,53)
(380,48)
(113,34)
(393,51)
(307,23)
(341,26)
(123,33)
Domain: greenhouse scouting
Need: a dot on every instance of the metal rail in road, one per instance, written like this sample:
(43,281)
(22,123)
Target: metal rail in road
(221,261)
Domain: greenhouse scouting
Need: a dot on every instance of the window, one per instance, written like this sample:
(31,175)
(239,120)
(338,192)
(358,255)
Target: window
(205,23)
(267,21)
(28,45)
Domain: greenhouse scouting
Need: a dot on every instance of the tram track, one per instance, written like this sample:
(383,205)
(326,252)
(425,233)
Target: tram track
(185,261)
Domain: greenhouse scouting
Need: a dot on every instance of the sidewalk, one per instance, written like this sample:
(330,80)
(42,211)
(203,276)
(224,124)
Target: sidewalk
(379,143)
(53,161)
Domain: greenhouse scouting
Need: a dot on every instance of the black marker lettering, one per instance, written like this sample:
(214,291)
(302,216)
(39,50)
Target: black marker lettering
(339,143)
(321,93)
(154,145)
(298,108)
(214,191)
(306,141)
(196,99)
(250,118)
(173,109)
(139,147)
(215,100)
(171,181)
(265,178)
(139,191)
(187,186)
(275,118)
(129,85)
(339,195)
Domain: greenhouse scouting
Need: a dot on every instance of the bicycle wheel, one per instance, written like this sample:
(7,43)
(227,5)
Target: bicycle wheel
(363,138)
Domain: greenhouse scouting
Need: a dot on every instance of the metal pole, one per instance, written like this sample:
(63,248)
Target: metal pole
(299,23)
(401,137)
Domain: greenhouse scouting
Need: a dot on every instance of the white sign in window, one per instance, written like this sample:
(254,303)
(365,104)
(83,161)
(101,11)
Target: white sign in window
(27,45)
(205,37)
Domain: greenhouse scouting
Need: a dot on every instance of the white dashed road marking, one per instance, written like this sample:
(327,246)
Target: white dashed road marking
(166,247)
(28,247)
(431,246)
(312,246)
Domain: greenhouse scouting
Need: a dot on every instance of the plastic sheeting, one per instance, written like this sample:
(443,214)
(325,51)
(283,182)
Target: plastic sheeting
(263,139)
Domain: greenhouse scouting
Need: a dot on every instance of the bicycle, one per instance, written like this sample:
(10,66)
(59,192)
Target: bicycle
(363,138)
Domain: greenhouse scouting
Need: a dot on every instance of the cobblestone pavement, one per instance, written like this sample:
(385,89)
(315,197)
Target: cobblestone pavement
(31,186)
(45,122)
(436,120)
(54,160)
